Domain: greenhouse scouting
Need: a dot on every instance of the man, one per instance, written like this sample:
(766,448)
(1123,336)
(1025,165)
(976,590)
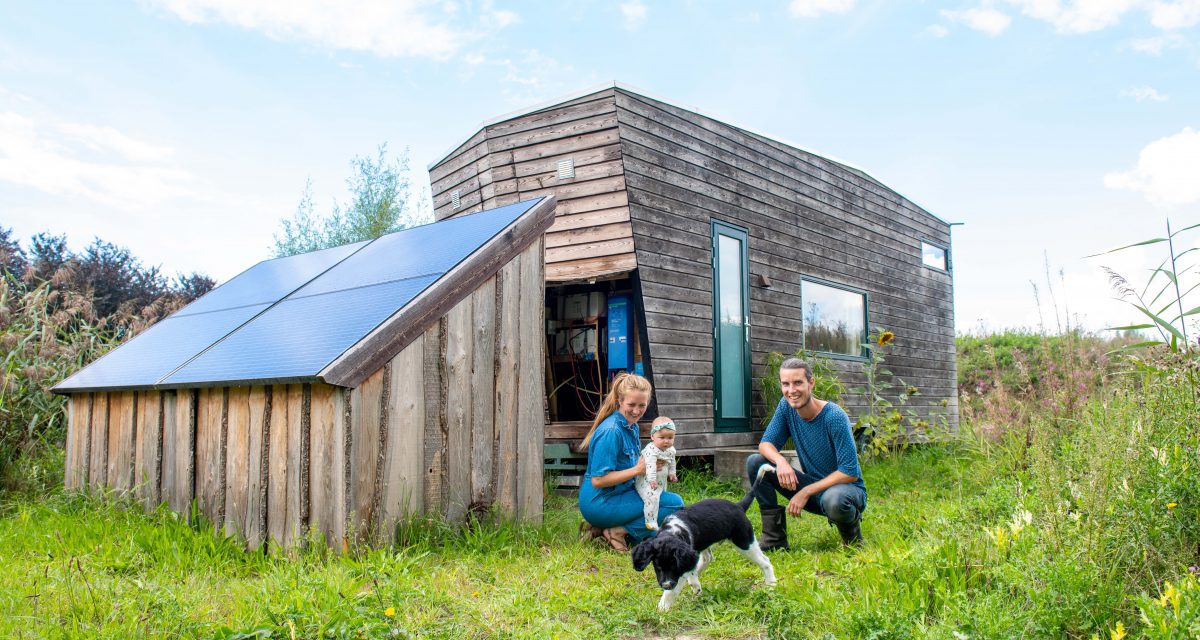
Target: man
(829,482)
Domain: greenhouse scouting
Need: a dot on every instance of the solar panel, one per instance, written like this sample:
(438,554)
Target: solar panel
(299,336)
(288,318)
(156,351)
(269,280)
(428,249)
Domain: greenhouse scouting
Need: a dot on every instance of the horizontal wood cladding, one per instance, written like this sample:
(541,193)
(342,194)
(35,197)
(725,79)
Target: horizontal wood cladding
(268,464)
(518,159)
(807,218)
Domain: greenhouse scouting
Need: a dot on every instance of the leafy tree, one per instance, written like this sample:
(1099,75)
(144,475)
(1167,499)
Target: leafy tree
(381,202)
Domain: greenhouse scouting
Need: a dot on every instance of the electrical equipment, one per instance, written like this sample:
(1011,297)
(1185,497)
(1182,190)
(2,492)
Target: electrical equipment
(620,347)
(583,343)
(580,306)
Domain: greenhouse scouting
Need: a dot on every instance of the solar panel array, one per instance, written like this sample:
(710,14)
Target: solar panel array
(286,319)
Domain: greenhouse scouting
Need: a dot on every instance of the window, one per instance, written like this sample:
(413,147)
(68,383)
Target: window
(833,318)
(933,256)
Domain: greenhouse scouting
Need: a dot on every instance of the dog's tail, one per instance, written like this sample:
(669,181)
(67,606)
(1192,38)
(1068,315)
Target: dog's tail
(758,478)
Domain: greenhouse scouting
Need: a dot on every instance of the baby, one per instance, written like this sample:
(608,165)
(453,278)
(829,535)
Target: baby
(661,447)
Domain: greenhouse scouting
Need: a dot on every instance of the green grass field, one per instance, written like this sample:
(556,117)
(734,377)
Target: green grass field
(932,566)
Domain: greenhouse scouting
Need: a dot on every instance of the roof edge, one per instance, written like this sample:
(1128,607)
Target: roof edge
(387,340)
(620,86)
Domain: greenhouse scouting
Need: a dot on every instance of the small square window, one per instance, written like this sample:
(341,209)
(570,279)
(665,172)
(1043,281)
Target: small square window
(933,256)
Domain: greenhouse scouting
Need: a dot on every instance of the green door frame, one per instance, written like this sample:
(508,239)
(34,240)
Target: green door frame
(721,422)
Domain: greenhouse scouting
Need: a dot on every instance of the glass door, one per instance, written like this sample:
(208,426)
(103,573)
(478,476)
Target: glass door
(731,328)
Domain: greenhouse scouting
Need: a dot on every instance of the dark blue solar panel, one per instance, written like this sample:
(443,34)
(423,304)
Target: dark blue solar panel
(158,350)
(269,280)
(425,250)
(300,335)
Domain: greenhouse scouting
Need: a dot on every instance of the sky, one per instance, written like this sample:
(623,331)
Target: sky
(186,130)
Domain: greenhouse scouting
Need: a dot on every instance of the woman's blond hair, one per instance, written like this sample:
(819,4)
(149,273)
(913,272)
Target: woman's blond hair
(621,385)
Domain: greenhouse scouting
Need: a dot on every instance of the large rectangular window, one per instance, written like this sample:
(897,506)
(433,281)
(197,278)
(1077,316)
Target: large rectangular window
(834,318)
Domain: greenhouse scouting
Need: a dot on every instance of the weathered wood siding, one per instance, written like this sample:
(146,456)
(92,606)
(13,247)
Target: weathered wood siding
(268,463)
(806,216)
(517,160)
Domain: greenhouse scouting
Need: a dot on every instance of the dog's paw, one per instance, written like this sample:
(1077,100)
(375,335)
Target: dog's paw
(770,584)
(696,588)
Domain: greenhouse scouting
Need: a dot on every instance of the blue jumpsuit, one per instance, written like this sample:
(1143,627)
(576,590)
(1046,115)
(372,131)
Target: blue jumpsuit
(615,447)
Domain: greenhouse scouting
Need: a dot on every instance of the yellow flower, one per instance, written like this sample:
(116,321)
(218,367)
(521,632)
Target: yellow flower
(886,338)
(1172,505)
(389,612)
(1170,597)
(1119,632)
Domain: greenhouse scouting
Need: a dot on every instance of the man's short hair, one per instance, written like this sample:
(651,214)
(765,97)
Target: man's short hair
(797,363)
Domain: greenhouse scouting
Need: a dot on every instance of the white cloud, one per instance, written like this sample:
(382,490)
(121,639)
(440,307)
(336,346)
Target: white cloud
(937,31)
(1078,16)
(1154,46)
(983,18)
(386,28)
(634,14)
(1166,170)
(1175,15)
(814,8)
(50,157)
(1144,93)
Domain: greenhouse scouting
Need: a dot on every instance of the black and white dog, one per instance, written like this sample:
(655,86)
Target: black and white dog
(680,551)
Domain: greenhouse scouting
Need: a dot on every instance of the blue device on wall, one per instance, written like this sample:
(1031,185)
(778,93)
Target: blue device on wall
(620,347)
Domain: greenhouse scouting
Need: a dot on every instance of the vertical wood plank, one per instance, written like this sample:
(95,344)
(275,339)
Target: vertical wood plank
(256,477)
(98,473)
(482,388)
(458,409)
(530,418)
(435,417)
(184,450)
(278,466)
(78,433)
(210,462)
(327,484)
(508,307)
(121,434)
(237,460)
(364,452)
(298,454)
(404,452)
(169,439)
(148,454)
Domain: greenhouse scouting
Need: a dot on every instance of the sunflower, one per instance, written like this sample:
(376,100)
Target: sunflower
(886,338)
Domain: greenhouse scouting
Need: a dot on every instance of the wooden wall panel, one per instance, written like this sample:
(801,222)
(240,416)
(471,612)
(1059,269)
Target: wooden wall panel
(183,451)
(79,427)
(148,453)
(483,385)
(434,498)
(531,385)
(122,431)
(328,481)
(209,455)
(458,362)
(279,462)
(167,442)
(508,349)
(403,489)
(365,412)
(256,467)
(237,460)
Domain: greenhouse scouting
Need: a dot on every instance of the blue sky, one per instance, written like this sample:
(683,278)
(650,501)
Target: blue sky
(186,129)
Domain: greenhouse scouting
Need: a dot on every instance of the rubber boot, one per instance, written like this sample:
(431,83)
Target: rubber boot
(851,533)
(774,529)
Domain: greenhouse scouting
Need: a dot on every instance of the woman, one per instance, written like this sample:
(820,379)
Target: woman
(610,505)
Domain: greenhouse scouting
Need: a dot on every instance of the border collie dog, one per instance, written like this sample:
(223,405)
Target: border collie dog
(680,551)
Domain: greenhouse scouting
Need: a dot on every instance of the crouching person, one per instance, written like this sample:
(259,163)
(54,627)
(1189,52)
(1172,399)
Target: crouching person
(830,482)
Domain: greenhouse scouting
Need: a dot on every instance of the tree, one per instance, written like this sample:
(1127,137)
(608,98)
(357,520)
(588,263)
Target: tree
(381,202)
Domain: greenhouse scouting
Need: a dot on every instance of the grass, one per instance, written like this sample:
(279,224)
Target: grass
(82,567)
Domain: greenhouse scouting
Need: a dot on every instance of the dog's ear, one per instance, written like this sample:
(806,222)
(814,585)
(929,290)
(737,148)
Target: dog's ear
(642,555)
(686,558)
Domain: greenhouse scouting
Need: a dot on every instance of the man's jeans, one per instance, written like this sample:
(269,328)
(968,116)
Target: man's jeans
(841,503)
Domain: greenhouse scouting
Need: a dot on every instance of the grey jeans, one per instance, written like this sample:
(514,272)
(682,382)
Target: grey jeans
(841,503)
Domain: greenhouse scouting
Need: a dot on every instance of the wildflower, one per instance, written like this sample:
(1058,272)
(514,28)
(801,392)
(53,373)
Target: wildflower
(389,612)
(886,338)
(1172,505)
(1170,597)
(1119,632)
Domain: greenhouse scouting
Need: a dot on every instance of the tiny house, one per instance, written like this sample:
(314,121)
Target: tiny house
(338,391)
(686,249)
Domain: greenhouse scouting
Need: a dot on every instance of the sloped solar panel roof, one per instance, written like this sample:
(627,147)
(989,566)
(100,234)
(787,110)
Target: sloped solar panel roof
(284,320)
